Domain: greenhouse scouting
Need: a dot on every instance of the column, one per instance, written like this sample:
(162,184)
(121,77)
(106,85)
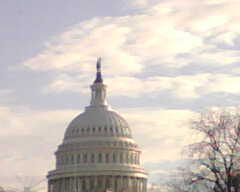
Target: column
(87,183)
(104,183)
(74,183)
(95,183)
(79,183)
(112,183)
(70,184)
(120,184)
(49,186)
(144,185)
(56,185)
(64,184)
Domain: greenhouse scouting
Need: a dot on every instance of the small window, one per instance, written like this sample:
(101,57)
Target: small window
(92,158)
(78,158)
(105,128)
(127,158)
(99,158)
(114,158)
(94,129)
(72,159)
(107,158)
(85,158)
(121,158)
(99,129)
(66,160)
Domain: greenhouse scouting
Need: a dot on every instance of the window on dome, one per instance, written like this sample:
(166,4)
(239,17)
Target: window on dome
(72,159)
(78,158)
(99,158)
(62,160)
(127,158)
(85,158)
(66,160)
(92,158)
(132,159)
(114,158)
(121,158)
(107,158)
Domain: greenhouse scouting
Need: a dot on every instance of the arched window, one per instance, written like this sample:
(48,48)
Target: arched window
(132,159)
(72,159)
(127,158)
(105,128)
(78,158)
(66,160)
(92,158)
(107,158)
(114,158)
(99,158)
(85,158)
(111,129)
(121,158)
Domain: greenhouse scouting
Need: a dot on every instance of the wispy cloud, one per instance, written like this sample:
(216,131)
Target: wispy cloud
(166,34)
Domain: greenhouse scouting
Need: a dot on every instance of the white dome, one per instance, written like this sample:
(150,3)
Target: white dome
(97,121)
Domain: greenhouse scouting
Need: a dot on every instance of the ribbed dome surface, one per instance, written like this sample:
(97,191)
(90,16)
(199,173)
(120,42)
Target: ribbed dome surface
(98,121)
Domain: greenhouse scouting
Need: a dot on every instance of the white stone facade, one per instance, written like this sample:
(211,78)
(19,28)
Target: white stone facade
(98,152)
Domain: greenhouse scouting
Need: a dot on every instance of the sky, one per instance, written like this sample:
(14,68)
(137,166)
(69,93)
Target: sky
(164,61)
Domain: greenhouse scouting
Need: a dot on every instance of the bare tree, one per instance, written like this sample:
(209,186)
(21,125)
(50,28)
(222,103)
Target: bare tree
(183,180)
(216,159)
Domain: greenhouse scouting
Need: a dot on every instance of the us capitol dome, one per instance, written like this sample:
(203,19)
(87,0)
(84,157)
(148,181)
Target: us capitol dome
(98,153)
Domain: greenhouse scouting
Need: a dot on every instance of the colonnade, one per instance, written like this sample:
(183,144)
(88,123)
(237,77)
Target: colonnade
(98,184)
(98,157)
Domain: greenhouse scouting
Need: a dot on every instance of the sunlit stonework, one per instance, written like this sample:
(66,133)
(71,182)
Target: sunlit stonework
(98,152)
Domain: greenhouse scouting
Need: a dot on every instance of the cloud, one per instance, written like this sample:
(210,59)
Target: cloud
(126,42)
(180,87)
(165,34)
(6,96)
